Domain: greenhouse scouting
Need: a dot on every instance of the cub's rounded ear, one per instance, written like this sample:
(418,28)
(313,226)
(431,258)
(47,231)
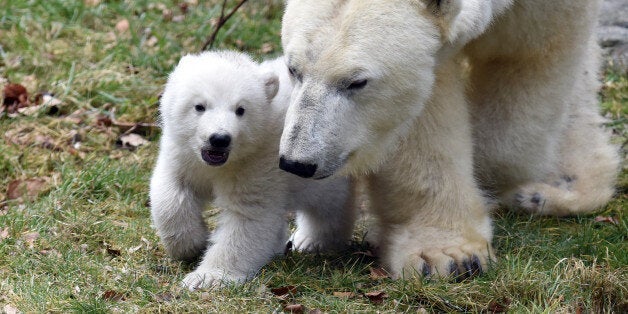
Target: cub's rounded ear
(271,84)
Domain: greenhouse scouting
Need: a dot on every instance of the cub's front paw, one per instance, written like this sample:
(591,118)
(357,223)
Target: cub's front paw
(202,278)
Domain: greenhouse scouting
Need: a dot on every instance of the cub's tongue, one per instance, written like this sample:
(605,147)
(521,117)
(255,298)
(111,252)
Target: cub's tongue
(214,157)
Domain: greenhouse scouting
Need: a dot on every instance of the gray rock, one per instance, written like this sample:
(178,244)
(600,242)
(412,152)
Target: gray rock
(613,34)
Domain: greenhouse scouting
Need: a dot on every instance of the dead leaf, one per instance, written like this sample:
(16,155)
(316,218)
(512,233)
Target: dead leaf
(111,251)
(607,219)
(378,273)
(131,141)
(103,121)
(164,297)
(92,3)
(10,309)
(499,306)
(4,233)
(122,26)
(294,308)
(344,295)
(167,14)
(151,42)
(134,249)
(30,238)
(29,188)
(285,291)
(184,6)
(121,224)
(15,97)
(315,311)
(51,252)
(111,295)
(267,48)
(376,297)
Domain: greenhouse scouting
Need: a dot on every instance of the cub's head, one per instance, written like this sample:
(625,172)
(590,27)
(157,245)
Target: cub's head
(216,106)
(363,71)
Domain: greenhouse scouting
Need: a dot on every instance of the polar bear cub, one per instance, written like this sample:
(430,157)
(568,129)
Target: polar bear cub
(222,116)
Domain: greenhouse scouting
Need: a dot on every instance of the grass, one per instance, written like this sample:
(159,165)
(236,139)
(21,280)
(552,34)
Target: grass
(82,242)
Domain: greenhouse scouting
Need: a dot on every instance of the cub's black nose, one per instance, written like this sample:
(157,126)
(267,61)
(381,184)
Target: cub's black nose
(220,140)
(295,167)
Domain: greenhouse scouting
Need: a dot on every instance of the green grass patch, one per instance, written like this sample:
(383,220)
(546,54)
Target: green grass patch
(83,242)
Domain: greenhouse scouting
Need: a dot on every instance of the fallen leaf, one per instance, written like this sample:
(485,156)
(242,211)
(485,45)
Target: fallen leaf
(184,6)
(315,311)
(103,121)
(122,26)
(111,295)
(499,306)
(50,252)
(376,297)
(14,93)
(284,291)
(164,297)
(267,48)
(10,309)
(92,3)
(294,308)
(15,97)
(29,188)
(167,14)
(378,273)
(151,42)
(111,251)
(134,249)
(131,141)
(344,295)
(607,219)
(30,238)
(4,233)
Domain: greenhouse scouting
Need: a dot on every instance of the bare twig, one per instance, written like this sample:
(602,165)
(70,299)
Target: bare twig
(132,127)
(209,43)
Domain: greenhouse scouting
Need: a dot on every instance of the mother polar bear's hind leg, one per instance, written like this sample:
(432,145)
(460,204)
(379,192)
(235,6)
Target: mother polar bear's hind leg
(533,92)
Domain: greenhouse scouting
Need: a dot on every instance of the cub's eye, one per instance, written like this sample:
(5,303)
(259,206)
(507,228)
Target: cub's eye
(294,73)
(199,108)
(355,85)
(239,112)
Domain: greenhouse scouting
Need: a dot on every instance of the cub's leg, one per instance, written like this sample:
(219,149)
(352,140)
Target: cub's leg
(241,244)
(325,215)
(176,212)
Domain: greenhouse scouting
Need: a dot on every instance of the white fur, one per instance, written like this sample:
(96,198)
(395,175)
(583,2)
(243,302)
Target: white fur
(533,90)
(409,130)
(253,194)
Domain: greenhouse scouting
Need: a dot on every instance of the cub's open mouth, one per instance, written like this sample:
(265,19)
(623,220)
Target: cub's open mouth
(214,157)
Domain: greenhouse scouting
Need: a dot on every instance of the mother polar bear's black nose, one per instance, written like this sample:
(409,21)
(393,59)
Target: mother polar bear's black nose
(295,167)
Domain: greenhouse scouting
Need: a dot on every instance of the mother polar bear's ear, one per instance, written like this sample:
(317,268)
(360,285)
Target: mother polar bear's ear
(271,84)
(463,20)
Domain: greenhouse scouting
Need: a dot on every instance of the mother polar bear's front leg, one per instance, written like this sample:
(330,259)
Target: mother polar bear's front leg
(378,95)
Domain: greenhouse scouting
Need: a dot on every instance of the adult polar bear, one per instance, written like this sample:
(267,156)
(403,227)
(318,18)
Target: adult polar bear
(379,93)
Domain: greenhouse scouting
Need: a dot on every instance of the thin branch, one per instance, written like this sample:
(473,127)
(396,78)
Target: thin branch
(209,43)
(132,127)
